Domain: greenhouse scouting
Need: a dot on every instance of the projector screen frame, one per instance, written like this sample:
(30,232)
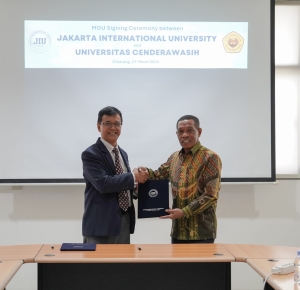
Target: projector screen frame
(70,181)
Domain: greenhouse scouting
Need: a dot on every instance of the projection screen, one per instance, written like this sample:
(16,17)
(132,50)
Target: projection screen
(63,61)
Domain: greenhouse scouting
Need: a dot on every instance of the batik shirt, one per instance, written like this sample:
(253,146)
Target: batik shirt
(195,179)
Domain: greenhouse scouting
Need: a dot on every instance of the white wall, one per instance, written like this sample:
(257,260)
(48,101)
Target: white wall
(248,214)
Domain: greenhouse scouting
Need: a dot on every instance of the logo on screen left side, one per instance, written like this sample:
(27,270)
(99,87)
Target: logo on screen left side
(40,41)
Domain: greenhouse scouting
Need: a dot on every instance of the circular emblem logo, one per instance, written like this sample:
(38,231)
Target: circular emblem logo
(233,42)
(153,193)
(40,41)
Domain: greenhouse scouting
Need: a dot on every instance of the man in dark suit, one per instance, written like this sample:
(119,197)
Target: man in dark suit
(109,215)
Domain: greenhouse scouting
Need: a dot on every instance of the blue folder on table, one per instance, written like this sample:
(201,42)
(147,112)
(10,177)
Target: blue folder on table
(77,247)
(153,198)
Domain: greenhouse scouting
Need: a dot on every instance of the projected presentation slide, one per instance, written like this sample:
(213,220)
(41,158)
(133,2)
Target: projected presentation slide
(155,61)
(116,44)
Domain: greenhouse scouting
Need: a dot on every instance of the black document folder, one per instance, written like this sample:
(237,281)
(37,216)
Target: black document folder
(153,198)
(77,247)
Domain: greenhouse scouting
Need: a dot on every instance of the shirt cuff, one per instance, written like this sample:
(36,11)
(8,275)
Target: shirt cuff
(133,178)
(186,212)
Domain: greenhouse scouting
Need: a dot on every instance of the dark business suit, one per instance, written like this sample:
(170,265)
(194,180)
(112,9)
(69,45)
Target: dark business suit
(102,214)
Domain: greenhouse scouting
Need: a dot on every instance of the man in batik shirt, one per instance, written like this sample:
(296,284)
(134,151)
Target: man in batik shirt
(195,176)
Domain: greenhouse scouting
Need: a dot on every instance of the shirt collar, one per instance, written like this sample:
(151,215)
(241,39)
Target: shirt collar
(108,146)
(193,150)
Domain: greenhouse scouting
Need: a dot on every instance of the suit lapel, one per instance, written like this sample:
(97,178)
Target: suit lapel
(106,155)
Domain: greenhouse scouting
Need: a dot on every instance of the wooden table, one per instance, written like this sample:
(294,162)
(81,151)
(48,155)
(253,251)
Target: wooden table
(26,253)
(160,266)
(242,252)
(263,258)
(7,270)
(280,282)
(12,258)
(131,253)
(136,267)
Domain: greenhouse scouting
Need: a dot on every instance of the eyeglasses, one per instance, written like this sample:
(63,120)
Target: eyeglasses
(109,124)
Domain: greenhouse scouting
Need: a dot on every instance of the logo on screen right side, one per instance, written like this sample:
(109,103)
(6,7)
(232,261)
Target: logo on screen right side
(233,42)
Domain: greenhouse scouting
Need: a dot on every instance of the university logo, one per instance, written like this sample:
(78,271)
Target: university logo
(40,41)
(233,42)
(153,193)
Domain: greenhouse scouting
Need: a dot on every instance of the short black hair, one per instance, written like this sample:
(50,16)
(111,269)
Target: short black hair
(189,117)
(109,111)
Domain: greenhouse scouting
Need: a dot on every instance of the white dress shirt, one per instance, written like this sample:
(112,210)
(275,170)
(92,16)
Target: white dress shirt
(110,148)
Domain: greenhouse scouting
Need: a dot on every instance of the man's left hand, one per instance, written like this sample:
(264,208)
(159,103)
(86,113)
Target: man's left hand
(175,213)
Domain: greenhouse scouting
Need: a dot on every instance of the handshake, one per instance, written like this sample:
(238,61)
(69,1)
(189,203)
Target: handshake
(141,174)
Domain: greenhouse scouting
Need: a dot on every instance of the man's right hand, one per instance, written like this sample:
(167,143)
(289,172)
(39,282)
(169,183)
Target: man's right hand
(141,174)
